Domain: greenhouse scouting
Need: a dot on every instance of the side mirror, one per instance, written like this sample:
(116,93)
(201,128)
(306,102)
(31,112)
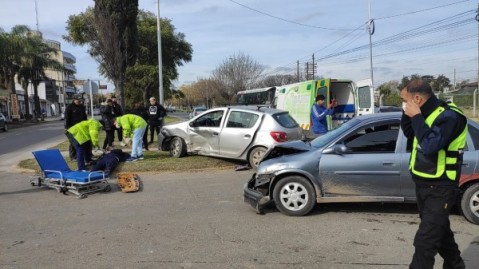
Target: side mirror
(339,149)
(193,124)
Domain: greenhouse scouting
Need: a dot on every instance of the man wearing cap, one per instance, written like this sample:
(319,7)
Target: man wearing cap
(74,113)
(318,116)
(156,113)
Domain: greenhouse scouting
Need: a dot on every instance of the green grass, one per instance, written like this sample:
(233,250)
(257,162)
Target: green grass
(155,161)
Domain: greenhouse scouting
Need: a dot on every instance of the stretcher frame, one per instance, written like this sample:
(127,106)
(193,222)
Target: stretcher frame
(56,174)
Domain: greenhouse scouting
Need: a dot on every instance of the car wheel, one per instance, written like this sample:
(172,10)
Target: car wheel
(5,127)
(294,196)
(255,156)
(470,203)
(177,147)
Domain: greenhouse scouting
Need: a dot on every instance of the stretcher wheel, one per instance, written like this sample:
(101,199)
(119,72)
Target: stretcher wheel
(107,188)
(82,196)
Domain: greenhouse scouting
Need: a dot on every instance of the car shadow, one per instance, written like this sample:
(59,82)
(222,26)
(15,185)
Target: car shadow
(375,208)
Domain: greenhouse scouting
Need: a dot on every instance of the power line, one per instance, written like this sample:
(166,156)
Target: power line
(289,21)
(421,10)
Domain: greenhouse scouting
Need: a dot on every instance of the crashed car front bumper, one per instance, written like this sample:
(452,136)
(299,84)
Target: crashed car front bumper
(253,196)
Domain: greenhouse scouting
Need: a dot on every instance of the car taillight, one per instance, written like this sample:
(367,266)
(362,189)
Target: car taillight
(279,136)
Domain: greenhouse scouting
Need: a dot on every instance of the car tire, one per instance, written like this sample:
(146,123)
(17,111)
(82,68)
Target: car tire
(5,127)
(470,203)
(255,156)
(294,196)
(177,147)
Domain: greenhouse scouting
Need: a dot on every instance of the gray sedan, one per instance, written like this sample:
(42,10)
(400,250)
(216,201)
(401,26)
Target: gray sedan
(364,160)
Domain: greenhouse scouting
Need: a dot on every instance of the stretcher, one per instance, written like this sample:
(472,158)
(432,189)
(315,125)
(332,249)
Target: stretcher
(55,173)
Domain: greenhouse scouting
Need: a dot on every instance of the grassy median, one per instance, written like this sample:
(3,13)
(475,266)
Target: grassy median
(155,161)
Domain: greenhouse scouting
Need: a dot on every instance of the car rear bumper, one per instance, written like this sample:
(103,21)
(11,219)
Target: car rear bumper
(254,197)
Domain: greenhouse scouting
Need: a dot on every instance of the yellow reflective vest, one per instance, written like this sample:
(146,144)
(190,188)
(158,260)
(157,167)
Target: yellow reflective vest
(445,161)
(86,130)
(129,123)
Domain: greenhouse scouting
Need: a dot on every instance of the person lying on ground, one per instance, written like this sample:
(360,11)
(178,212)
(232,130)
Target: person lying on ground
(110,160)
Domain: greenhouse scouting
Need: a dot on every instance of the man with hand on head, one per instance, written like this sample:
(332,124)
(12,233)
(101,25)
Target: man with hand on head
(437,131)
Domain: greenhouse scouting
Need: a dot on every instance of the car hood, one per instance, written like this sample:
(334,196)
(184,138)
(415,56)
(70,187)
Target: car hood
(177,129)
(287,148)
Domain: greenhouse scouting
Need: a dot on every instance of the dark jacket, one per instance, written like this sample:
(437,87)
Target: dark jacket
(156,113)
(117,109)
(448,125)
(140,111)
(107,115)
(74,114)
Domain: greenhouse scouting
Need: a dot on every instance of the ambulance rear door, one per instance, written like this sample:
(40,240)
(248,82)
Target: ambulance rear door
(364,97)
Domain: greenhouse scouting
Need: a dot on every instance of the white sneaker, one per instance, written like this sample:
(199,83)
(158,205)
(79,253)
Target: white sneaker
(122,144)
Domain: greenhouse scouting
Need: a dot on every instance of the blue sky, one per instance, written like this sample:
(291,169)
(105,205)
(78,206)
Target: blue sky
(427,37)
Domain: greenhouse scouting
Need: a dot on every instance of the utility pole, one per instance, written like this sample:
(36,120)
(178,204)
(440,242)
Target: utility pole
(297,70)
(313,65)
(454,80)
(477,19)
(36,13)
(160,62)
(371,29)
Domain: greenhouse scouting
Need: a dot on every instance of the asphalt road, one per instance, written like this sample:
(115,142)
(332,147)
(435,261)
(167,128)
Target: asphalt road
(199,220)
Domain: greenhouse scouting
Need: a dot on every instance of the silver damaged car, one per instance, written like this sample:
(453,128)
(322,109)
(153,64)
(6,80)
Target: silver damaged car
(243,133)
(364,160)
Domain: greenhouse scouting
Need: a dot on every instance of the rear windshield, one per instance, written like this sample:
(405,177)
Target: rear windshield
(200,109)
(285,120)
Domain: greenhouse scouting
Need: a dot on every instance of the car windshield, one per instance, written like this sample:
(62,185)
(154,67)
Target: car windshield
(323,140)
(200,109)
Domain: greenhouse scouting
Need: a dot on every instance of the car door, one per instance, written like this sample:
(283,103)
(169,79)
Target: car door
(369,166)
(204,132)
(239,132)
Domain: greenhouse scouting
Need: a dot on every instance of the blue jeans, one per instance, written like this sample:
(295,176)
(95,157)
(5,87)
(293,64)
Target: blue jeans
(137,142)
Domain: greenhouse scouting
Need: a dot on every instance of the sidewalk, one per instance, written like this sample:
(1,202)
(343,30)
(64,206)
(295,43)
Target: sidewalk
(23,123)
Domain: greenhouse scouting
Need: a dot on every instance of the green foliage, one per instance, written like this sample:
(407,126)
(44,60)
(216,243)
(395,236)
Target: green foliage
(393,99)
(110,31)
(143,76)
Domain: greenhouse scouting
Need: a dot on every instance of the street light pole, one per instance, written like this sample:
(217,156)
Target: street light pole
(371,29)
(91,97)
(160,62)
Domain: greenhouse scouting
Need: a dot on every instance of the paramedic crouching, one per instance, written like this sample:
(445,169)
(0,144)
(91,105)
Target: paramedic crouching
(438,133)
(83,136)
(318,116)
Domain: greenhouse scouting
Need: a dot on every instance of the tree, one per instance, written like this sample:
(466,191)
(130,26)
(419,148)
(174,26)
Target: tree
(23,53)
(175,51)
(387,89)
(35,60)
(237,73)
(277,80)
(11,52)
(110,31)
(440,83)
